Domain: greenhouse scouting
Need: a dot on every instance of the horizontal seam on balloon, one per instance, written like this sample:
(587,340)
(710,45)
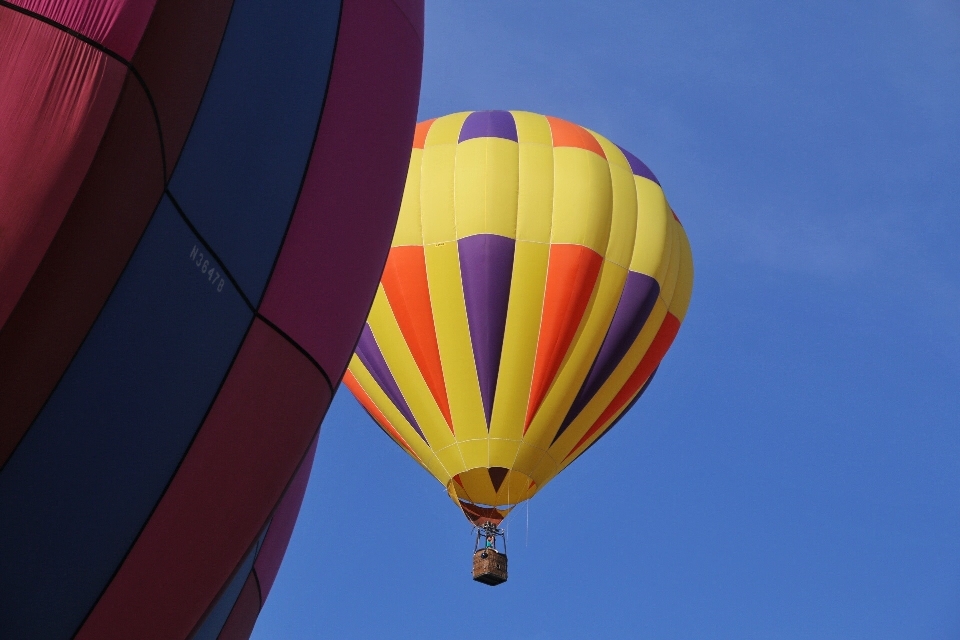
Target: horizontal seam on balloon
(306,168)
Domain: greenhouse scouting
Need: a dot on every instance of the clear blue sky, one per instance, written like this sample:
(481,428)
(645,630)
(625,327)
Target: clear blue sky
(794,470)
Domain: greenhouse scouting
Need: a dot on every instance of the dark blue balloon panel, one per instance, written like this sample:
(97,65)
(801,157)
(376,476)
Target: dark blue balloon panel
(85,478)
(241,169)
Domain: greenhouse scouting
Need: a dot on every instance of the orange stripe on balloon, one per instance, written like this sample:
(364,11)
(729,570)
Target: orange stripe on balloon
(354,385)
(420,133)
(571,276)
(405,283)
(567,134)
(648,364)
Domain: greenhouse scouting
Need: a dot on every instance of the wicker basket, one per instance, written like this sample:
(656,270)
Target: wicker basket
(489,566)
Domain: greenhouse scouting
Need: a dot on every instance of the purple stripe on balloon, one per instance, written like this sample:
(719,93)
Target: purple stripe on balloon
(638,167)
(486,267)
(372,358)
(636,302)
(489,124)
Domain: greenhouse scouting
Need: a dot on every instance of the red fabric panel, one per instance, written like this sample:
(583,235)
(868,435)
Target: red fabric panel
(81,266)
(420,134)
(243,616)
(56,97)
(242,460)
(110,211)
(571,275)
(341,229)
(116,24)
(278,535)
(405,283)
(567,134)
(648,364)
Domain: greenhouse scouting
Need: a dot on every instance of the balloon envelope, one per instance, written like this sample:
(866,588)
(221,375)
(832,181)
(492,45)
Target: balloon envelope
(184,188)
(536,280)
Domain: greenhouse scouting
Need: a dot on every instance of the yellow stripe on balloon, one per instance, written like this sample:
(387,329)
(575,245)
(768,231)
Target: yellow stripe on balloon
(670,269)
(580,356)
(475,452)
(406,372)
(486,187)
(425,453)
(520,339)
(684,287)
(535,183)
(451,459)
(409,231)
(613,384)
(653,217)
(623,221)
(453,338)
(674,295)
(546,469)
(437,179)
(582,199)
(532,128)
(503,452)
(528,459)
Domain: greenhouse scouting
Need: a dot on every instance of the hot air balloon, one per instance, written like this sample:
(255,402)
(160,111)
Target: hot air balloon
(537,278)
(185,186)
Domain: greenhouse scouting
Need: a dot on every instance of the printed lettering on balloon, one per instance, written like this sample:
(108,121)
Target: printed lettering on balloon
(214,277)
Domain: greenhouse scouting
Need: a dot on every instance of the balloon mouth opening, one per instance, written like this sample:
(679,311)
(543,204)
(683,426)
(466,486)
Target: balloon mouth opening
(488,494)
(479,515)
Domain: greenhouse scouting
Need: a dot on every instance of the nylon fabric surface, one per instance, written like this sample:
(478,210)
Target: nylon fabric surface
(157,422)
(56,96)
(536,280)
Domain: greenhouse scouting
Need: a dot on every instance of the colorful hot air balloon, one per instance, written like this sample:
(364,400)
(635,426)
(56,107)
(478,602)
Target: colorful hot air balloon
(196,203)
(537,278)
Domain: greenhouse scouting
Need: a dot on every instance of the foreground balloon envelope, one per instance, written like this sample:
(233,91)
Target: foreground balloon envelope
(185,187)
(536,280)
